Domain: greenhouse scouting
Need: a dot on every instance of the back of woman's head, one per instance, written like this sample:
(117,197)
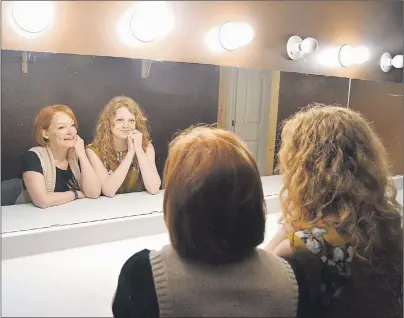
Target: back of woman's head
(213,202)
(333,163)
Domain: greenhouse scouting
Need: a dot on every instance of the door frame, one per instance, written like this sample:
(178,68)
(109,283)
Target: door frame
(227,108)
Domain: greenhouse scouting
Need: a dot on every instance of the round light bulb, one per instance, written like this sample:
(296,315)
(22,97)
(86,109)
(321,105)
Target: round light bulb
(151,21)
(309,45)
(361,55)
(346,55)
(233,35)
(349,55)
(33,16)
(329,57)
(397,61)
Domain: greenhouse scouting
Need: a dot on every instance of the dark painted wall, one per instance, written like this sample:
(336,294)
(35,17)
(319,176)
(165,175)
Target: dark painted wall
(174,96)
(382,103)
(299,90)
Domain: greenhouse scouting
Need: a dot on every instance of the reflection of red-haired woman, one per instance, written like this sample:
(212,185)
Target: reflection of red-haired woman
(57,170)
(121,153)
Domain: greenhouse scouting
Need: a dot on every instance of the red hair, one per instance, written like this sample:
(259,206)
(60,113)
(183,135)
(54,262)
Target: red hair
(213,201)
(45,117)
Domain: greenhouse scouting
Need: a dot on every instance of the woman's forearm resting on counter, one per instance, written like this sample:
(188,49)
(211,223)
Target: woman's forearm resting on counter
(36,188)
(90,183)
(110,183)
(151,178)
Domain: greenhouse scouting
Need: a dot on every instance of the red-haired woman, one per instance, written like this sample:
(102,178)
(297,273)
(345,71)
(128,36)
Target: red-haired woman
(122,153)
(214,210)
(57,170)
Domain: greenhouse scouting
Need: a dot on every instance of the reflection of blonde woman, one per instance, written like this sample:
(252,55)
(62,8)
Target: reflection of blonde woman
(337,185)
(121,153)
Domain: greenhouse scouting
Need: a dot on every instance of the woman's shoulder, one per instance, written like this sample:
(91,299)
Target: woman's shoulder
(31,151)
(136,294)
(94,148)
(137,267)
(307,269)
(139,260)
(38,150)
(30,162)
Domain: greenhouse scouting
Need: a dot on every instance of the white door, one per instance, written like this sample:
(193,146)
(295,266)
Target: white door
(250,111)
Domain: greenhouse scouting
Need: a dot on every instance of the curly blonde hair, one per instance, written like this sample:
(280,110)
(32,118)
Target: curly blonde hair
(333,163)
(103,135)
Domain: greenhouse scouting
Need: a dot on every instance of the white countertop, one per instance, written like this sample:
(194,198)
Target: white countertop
(28,217)
(80,282)
(27,230)
(77,282)
(25,217)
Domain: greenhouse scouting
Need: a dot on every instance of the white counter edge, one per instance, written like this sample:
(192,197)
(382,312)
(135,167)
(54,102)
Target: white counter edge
(38,241)
(66,237)
(44,240)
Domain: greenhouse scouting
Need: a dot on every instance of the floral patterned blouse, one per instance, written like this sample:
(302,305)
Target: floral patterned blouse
(326,241)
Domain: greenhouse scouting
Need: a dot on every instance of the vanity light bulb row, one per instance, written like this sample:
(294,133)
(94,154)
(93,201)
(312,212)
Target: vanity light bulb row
(152,21)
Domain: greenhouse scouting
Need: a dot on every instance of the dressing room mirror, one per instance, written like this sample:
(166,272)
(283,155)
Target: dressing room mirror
(254,103)
(250,102)
(179,79)
(173,96)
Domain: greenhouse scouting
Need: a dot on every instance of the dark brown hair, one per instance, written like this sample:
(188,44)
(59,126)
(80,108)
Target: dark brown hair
(213,202)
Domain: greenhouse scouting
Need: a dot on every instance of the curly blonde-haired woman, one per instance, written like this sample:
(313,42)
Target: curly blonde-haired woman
(339,206)
(121,153)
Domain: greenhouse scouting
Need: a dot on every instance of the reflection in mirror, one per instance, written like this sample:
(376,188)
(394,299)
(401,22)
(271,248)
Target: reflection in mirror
(248,107)
(250,102)
(173,96)
(254,103)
